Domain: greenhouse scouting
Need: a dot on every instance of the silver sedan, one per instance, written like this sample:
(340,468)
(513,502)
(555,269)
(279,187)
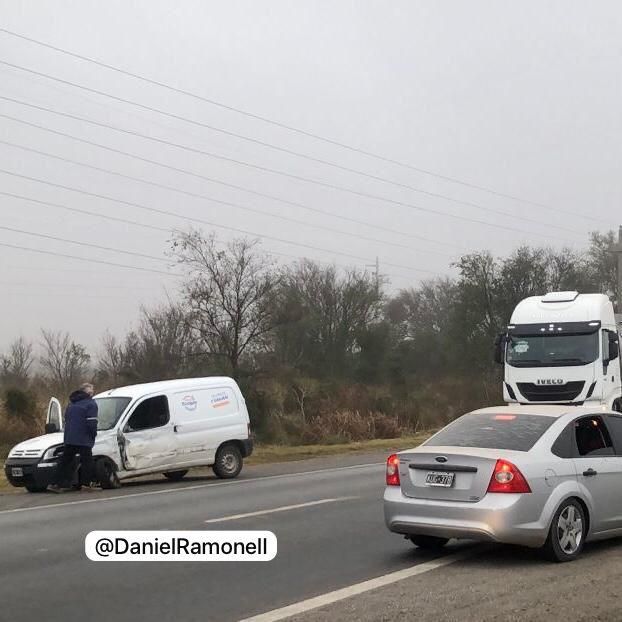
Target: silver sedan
(538,476)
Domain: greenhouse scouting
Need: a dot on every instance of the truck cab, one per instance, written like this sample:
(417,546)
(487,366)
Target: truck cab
(562,348)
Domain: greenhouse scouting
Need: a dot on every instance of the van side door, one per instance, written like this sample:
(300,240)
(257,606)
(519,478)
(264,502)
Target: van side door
(148,440)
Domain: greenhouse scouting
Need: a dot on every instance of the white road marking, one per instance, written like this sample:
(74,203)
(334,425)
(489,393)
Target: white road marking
(283,508)
(354,590)
(196,487)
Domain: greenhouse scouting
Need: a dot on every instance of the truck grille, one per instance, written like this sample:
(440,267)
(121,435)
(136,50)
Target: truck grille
(551,393)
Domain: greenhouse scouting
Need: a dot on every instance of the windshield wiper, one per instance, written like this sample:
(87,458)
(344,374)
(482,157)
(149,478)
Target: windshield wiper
(569,360)
(521,362)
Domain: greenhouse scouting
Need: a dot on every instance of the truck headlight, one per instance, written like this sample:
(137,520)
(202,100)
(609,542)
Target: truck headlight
(52,452)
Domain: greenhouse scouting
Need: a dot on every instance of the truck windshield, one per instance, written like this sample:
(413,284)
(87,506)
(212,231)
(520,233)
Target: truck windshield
(109,411)
(552,350)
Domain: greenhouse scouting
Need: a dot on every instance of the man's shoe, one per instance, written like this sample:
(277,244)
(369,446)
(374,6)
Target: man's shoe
(89,489)
(56,488)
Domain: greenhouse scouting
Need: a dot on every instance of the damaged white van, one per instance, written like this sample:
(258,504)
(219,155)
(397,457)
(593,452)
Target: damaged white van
(161,427)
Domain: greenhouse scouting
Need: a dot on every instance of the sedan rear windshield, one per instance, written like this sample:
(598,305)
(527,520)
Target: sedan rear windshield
(493,431)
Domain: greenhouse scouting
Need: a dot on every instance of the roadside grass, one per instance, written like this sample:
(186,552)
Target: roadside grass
(267,454)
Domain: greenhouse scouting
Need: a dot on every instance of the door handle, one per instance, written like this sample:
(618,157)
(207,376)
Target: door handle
(175,428)
(590,473)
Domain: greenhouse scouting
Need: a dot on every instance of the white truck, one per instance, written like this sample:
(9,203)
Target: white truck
(562,348)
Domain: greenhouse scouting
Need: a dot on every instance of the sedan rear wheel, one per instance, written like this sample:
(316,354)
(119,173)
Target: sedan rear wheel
(567,533)
(429,542)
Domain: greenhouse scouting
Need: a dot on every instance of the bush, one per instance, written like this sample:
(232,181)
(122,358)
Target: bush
(20,404)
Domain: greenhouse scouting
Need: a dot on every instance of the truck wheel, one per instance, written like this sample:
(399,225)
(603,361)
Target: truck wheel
(106,474)
(175,476)
(228,462)
(617,406)
(34,488)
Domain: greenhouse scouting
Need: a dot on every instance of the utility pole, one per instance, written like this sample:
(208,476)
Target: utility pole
(617,250)
(376,273)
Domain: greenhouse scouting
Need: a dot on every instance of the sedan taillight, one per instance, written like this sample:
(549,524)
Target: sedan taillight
(393,470)
(507,478)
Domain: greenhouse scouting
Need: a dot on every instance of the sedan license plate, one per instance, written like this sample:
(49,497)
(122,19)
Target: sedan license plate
(442,479)
(17,472)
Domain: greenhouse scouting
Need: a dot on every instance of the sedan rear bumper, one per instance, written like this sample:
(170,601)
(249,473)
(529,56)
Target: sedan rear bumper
(507,518)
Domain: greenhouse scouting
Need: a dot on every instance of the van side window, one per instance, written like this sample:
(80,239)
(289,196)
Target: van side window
(614,423)
(593,437)
(151,413)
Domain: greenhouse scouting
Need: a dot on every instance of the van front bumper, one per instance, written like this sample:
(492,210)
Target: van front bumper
(22,472)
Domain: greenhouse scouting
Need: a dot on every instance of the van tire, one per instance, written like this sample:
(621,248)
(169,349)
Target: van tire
(228,462)
(106,474)
(34,488)
(175,476)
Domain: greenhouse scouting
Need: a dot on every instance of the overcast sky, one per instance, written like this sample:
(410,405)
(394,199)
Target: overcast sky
(524,98)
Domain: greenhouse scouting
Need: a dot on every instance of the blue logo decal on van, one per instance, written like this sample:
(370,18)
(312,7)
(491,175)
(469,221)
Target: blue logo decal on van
(189,402)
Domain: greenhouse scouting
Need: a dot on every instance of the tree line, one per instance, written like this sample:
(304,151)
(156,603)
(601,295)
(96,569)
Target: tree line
(321,353)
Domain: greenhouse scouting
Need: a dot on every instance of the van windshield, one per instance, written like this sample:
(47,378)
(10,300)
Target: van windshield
(109,411)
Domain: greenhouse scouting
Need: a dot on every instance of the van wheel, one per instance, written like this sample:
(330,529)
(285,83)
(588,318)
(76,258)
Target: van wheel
(33,488)
(617,406)
(228,462)
(567,533)
(175,476)
(430,543)
(106,474)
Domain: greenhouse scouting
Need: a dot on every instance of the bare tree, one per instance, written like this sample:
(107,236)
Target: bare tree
(163,346)
(111,360)
(326,309)
(16,364)
(64,362)
(229,294)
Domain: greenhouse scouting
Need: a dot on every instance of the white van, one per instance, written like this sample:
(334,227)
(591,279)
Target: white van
(161,427)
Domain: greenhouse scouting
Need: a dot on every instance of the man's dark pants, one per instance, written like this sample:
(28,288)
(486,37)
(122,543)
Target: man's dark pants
(66,464)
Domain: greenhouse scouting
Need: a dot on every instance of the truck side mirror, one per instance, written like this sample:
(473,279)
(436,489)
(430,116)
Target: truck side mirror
(500,341)
(51,428)
(614,348)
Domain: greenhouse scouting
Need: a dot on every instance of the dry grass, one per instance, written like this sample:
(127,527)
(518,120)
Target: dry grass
(267,454)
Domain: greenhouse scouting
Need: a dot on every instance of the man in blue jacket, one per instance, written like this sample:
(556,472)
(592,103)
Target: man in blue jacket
(80,432)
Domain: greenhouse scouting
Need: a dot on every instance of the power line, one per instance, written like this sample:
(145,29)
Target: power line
(153,227)
(99,261)
(191,173)
(300,178)
(202,221)
(217,156)
(87,244)
(291,128)
(268,145)
(214,200)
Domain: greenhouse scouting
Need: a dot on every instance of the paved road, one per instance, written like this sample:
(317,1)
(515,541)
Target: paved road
(322,548)
(44,569)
